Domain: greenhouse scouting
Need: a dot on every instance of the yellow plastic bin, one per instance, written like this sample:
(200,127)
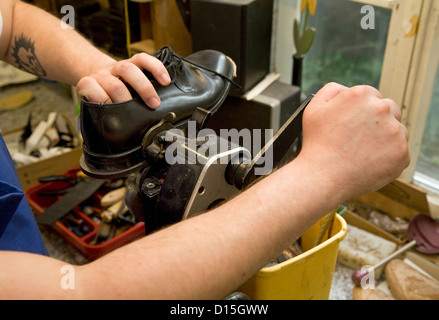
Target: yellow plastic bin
(307,276)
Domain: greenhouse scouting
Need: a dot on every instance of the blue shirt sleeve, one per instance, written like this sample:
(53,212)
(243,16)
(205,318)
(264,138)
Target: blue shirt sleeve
(18,228)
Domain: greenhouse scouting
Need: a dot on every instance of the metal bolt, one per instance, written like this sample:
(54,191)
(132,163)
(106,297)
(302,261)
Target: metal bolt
(161,139)
(150,185)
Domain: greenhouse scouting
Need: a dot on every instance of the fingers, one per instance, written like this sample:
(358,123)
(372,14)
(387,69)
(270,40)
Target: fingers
(133,76)
(153,65)
(376,99)
(131,73)
(359,93)
(395,109)
(90,89)
(345,100)
(337,91)
(110,85)
(328,92)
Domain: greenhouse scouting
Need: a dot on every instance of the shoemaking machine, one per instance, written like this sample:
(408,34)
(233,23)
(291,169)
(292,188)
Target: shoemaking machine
(161,193)
(179,168)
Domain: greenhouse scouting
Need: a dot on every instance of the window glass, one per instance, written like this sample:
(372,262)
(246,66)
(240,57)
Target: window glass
(349,45)
(428,160)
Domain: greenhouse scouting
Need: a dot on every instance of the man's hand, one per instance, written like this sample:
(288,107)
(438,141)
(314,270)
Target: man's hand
(108,85)
(354,137)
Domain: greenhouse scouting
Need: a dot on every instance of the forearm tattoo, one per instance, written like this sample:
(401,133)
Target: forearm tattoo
(24,53)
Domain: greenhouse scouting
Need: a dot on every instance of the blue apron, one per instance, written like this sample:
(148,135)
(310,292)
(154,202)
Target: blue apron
(18,229)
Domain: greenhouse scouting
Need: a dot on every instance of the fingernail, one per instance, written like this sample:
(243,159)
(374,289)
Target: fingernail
(165,78)
(153,103)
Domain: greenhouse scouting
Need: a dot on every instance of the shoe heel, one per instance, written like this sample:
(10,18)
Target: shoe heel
(114,166)
(217,63)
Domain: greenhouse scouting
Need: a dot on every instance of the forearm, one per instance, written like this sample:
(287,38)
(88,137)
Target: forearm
(210,255)
(205,257)
(56,53)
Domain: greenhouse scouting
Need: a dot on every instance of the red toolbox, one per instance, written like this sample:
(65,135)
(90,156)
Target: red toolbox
(81,230)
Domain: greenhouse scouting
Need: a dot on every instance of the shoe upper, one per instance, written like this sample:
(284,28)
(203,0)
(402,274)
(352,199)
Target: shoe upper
(202,79)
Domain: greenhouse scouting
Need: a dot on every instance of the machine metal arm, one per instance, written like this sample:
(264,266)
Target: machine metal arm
(243,174)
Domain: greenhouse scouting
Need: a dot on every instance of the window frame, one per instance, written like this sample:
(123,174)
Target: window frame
(387,4)
(410,65)
(424,64)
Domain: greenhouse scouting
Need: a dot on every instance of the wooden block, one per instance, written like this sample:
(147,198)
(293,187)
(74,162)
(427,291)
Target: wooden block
(427,264)
(361,248)
(369,294)
(406,283)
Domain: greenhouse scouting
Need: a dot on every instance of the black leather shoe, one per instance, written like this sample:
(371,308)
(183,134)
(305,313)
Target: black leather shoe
(113,132)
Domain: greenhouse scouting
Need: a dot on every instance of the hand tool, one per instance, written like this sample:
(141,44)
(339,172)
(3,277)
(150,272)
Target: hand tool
(423,236)
(80,192)
(75,224)
(105,232)
(73,180)
(111,213)
(327,224)
(113,196)
(70,181)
